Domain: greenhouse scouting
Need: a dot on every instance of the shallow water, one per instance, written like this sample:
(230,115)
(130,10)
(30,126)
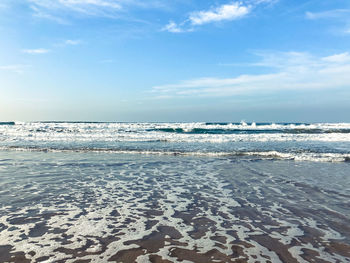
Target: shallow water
(99,207)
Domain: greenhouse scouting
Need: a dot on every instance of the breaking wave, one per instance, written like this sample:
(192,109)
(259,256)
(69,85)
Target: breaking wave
(288,141)
(272,155)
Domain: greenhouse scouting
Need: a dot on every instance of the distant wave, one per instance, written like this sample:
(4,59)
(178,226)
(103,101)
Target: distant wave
(271,155)
(250,131)
(182,128)
(287,141)
(7,123)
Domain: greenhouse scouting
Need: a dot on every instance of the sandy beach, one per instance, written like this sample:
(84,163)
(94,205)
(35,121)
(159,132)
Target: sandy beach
(80,207)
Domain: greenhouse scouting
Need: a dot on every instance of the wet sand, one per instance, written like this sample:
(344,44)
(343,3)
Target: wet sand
(118,208)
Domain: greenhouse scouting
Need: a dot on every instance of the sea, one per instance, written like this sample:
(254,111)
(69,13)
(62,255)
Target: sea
(174,192)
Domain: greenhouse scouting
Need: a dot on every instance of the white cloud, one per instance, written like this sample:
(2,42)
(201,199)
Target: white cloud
(338,58)
(173,28)
(36,51)
(226,12)
(290,71)
(221,13)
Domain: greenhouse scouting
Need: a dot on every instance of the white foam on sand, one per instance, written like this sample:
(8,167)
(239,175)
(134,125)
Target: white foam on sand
(122,202)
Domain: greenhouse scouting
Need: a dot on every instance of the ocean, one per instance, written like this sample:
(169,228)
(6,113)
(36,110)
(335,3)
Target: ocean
(174,192)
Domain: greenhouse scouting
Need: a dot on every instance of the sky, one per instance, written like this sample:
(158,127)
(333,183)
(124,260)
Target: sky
(175,60)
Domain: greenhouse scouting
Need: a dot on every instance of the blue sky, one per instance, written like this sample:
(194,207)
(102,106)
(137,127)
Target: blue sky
(179,60)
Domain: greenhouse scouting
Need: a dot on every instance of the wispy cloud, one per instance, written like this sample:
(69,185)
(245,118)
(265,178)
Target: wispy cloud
(44,14)
(67,43)
(175,28)
(57,10)
(62,11)
(84,6)
(36,51)
(70,42)
(226,12)
(336,13)
(19,68)
(289,71)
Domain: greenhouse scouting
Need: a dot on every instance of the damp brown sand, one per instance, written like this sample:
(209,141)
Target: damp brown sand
(163,237)
(176,210)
